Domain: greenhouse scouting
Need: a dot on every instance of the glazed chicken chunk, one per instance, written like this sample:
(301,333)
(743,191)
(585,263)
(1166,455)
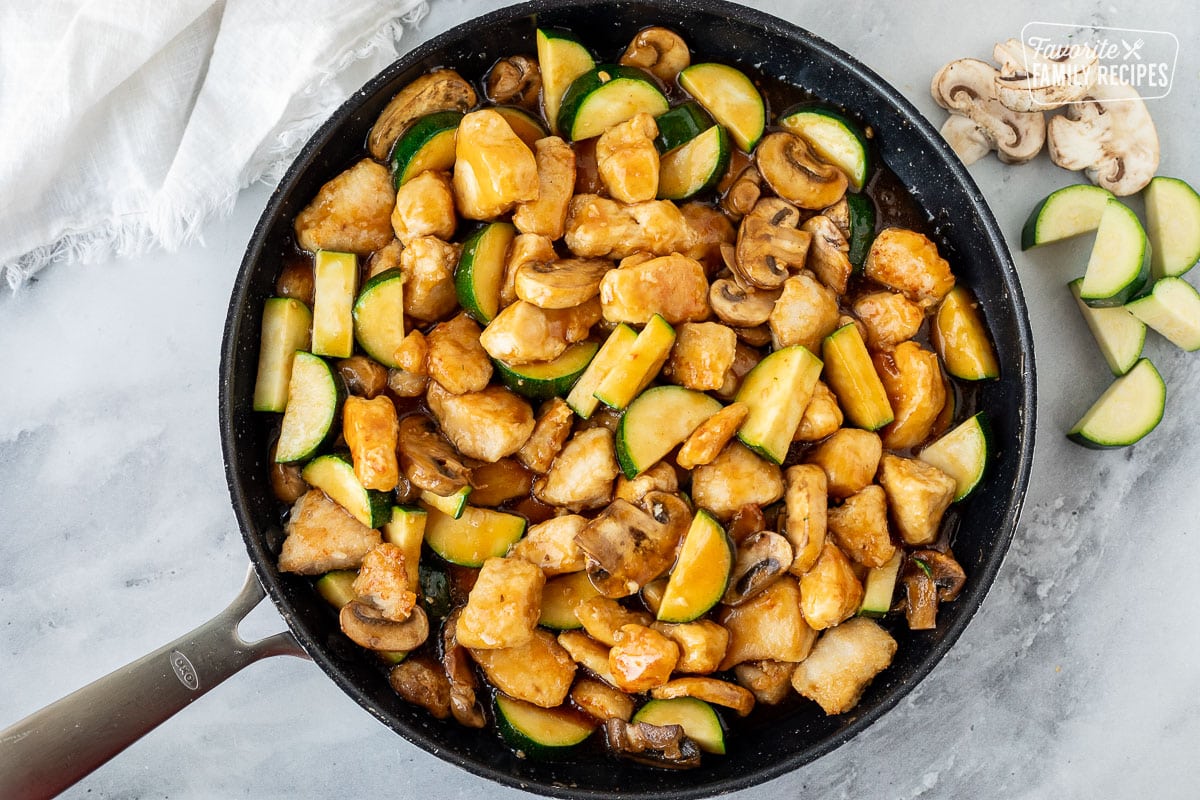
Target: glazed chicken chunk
(493,169)
(424,207)
(383,582)
(524,333)
(860,527)
(888,318)
(583,473)
(702,354)
(843,663)
(456,359)
(550,433)
(503,606)
(547,215)
(673,286)
(804,314)
(428,265)
(539,671)
(919,494)
(908,262)
(734,478)
(597,226)
(351,213)
(551,546)
(628,160)
(486,425)
(323,536)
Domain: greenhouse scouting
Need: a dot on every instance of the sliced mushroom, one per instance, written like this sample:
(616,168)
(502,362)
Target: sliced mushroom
(1033,80)
(628,547)
(966,139)
(656,745)
(748,520)
(767,246)
(364,377)
(757,336)
(829,253)
(795,173)
(427,459)
(737,305)
(515,80)
(421,681)
(441,90)
(710,690)
(967,87)
(920,595)
(839,215)
(941,570)
(368,627)
(661,52)
(456,661)
(761,558)
(287,484)
(560,284)
(1110,136)
(743,193)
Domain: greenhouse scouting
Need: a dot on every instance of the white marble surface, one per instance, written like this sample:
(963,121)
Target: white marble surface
(1076,679)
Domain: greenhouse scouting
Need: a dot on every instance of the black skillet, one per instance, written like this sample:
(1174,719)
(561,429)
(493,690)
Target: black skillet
(60,744)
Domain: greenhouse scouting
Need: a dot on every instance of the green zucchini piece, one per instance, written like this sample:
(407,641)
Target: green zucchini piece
(561,596)
(701,572)
(697,718)
(428,144)
(1172,308)
(379,316)
(852,377)
(861,210)
(1068,212)
(540,732)
(582,398)
(1128,410)
(337,587)
(474,537)
(1120,335)
(634,370)
(657,420)
(480,272)
(730,97)
(606,96)
(286,328)
(335,277)
(694,167)
(526,126)
(1173,224)
(406,530)
(452,504)
(836,138)
(962,454)
(680,125)
(334,475)
(315,394)
(547,379)
(777,391)
(1120,259)
(880,587)
(561,58)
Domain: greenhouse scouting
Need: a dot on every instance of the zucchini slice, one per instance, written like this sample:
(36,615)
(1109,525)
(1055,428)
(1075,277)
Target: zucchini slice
(315,395)
(335,277)
(582,398)
(379,316)
(862,228)
(605,96)
(526,126)
(880,587)
(547,379)
(538,732)
(337,587)
(961,339)
(697,718)
(1128,410)
(561,58)
(730,97)
(1068,212)
(680,125)
(474,537)
(777,391)
(635,368)
(1120,259)
(427,144)
(334,475)
(962,454)
(480,271)
(852,377)
(656,421)
(561,596)
(286,328)
(695,166)
(1173,224)
(701,572)
(1120,335)
(406,530)
(1173,309)
(836,138)
(452,504)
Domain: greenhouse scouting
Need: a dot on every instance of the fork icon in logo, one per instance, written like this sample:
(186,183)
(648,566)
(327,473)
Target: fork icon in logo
(1132,49)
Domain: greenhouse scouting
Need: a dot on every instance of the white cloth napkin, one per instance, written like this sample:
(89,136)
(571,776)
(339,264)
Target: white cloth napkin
(125,124)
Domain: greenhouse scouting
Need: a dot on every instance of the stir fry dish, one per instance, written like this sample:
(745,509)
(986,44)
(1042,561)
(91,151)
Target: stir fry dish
(611,406)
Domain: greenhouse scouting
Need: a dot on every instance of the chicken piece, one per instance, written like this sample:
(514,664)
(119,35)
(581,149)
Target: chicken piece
(550,546)
(550,433)
(768,680)
(734,478)
(486,425)
(702,644)
(503,607)
(830,592)
(908,262)
(889,318)
(912,378)
(526,248)
(597,226)
(601,701)
(428,265)
(804,314)
(583,473)
(523,333)
(493,169)
(421,681)
(702,354)
(496,482)
(539,671)
(371,431)
(843,664)
(659,478)
(425,207)
(627,159)
(456,359)
(547,215)
(323,536)
(628,548)
(642,658)
(385,259)
(602,617)
(587,652)
(707,230)
(351,213)
(767,626)
(411,375)
(673,286)
(821,417)
(860,527)
(708,440)
(918,494)
(849,458)
(382,582)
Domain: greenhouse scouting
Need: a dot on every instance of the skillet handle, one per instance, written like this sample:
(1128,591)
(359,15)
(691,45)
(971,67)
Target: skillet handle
(55,747)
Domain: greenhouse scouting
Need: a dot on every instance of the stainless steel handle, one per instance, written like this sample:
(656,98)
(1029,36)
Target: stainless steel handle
(55,747)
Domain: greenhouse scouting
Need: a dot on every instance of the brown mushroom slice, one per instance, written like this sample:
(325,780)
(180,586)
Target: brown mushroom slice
(287,484)
(1110,136)
(710,690)
(767,250)
(770,681)
(440,90)
(795,173)
(920,596)
(967,88)
(499,481)
(456,661)
(747,521)
(560,284)
(367,627)
(735,304)
(829,253)
(364,377)
(659,478)
(427,459)
(805,514)
(421,681)
(743,193)
(761,559)
(656,745)
(515,80)
(628,547)
(661,52)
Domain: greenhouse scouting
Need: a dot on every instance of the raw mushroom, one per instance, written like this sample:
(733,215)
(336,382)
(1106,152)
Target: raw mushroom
(761,559)
(656,745)
(627,547)
(442,90)
(967,88)
(929,577)
(793,170)
(1110,136)
(1030,80)
(427,459)
(514,81)
(739,306)
(661,52)
(768,243)
(367,627)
